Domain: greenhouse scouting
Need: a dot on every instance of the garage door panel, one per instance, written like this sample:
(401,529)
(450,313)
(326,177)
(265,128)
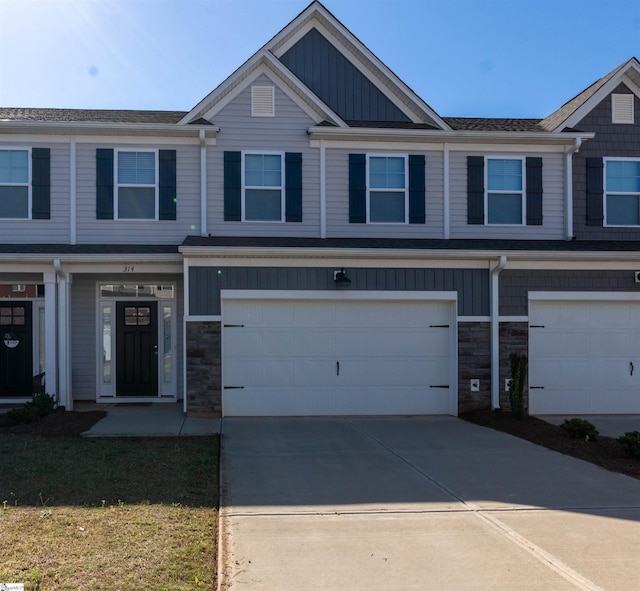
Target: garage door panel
(388,355)
(582,357)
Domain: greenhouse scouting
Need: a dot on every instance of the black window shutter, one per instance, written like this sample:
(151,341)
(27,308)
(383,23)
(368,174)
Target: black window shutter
(534,191)
(293,186)
(357,188)
(232,186)
(167,188)
(475,189)
(104,184)
(595,192)
(416,189)
(41,183)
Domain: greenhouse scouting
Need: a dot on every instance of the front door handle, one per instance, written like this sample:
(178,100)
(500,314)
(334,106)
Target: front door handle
(337,368)
(631,367)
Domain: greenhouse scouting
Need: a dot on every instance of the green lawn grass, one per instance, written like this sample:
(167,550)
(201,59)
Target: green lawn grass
(108,514)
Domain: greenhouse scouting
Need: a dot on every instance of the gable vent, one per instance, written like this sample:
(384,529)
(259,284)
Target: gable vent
(622,108)
(263,101)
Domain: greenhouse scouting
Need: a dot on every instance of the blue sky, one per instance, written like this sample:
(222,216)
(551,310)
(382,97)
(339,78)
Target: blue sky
(471,58)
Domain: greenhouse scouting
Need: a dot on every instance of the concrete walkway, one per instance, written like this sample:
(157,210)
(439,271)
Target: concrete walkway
(146,420)
(417,503)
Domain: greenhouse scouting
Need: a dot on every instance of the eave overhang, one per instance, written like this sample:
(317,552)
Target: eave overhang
(431,136)
(102,129)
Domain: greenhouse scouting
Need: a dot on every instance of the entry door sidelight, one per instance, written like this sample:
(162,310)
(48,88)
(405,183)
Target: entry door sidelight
(137,349)
(16,350)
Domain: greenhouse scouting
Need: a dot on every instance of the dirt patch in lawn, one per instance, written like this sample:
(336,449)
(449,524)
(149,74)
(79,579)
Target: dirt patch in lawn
(604,451)
(60,423)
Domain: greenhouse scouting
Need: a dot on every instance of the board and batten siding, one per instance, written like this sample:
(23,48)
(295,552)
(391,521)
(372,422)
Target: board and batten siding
(93,231)
(57,228)
(552,227)
(286,132)
(338,225)
(84,326)
(205,283)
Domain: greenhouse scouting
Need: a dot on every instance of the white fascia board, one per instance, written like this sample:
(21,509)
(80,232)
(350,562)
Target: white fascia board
(337,262)
(63,138)
(46,128)
(405,255)
(600,95)
(612,264)
(481,139)
(282,42)
(95,262)
(265,64)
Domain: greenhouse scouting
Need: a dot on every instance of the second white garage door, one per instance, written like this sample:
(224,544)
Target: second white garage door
(584,357)
(303,357)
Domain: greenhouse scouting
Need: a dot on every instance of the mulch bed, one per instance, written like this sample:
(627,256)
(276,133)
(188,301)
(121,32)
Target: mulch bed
(604,451)
(59,423)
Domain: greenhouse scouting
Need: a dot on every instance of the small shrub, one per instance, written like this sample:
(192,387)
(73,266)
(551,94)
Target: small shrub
(40,406)
(630,442)
(580,429)
(516,388)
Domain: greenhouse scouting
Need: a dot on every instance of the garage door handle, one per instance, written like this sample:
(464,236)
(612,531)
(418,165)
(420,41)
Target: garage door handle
(337,368)
(439,386)
(234,387)
(536,387)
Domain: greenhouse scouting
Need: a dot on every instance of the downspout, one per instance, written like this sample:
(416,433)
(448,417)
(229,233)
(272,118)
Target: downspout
(203,183)
(495,333)
(568,183)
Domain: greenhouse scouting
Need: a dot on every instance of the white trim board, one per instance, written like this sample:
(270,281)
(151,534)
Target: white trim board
(272,294)
(584,296)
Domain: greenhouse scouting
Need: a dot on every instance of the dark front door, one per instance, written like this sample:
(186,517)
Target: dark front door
(137,349)
(16,349)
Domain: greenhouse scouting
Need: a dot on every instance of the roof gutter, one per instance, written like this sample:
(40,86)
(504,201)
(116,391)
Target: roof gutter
(495,332)
(568,187)
(389,134)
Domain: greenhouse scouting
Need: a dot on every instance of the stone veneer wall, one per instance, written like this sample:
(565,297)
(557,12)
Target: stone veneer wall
(204,377)
(514,337)
(474,362)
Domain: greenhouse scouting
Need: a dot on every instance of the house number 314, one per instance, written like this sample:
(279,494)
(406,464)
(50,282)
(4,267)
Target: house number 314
(128,268)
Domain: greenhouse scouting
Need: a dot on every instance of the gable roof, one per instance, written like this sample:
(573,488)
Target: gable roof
(574,110)
(317,17)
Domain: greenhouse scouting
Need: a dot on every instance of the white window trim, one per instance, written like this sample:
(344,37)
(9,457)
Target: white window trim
(28,184)
(622,97)
(117,185)
(523,191)
(282,186)
(605,193)
(379,190)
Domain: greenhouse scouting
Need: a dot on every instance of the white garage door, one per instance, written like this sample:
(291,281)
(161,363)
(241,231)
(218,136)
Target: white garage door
(584,357)
(300,357)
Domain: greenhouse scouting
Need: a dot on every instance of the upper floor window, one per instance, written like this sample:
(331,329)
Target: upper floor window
(14,184)
(505,191)
(263,187)
(136,193)
(136,185)
(622,192)
(387,190)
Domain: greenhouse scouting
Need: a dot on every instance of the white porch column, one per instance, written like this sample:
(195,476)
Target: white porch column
(51,334)
(64,337)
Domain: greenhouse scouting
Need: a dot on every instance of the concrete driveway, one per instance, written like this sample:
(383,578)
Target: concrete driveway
(417,503)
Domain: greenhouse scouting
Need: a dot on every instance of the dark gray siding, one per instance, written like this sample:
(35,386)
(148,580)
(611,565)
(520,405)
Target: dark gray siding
(205,283)
(516,285)
(611,140)
(337,82)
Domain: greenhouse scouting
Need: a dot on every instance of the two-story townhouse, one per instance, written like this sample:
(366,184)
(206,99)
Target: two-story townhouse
(313,239)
